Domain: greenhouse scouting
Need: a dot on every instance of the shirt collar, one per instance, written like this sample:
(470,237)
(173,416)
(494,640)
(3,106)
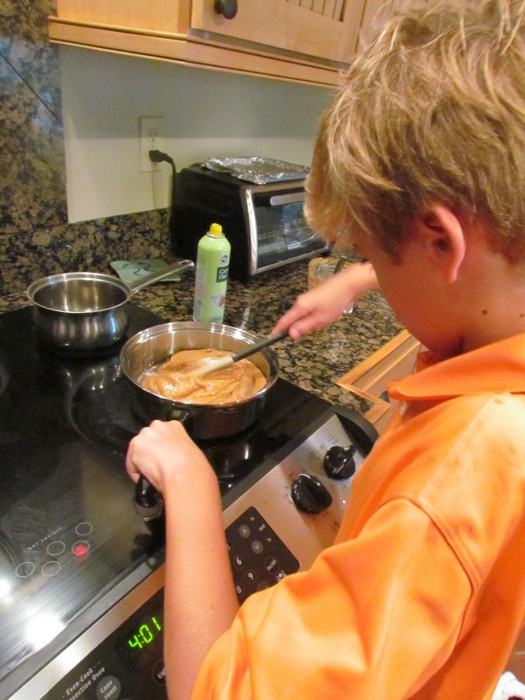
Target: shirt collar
(498,367)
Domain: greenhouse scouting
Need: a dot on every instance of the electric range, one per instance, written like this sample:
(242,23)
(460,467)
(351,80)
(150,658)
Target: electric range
(81,575)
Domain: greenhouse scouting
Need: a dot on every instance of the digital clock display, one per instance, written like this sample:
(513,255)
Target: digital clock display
(145,634)
(141,637)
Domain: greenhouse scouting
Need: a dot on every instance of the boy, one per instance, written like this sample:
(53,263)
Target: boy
(420,164)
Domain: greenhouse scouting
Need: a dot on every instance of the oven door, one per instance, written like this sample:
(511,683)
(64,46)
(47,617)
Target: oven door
(276,226)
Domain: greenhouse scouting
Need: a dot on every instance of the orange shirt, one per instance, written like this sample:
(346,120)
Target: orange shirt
(423,593)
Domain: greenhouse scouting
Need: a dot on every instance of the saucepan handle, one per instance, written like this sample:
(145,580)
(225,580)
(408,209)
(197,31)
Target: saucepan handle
(147,502)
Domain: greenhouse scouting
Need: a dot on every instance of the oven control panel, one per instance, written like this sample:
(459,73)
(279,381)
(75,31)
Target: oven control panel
(275,525)
(303,498)
(259,558)
(128,664)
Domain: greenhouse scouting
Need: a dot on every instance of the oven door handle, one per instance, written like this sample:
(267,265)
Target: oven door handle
(280,199)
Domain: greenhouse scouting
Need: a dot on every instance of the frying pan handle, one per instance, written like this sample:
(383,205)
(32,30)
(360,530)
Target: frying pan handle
(147,502)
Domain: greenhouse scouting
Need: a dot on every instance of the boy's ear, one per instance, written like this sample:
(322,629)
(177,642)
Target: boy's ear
(444,239)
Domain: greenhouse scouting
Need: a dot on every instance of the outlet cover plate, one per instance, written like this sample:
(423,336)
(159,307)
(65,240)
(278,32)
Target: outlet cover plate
(151,137)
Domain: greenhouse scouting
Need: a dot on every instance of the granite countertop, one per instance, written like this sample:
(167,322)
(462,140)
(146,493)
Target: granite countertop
(315,362)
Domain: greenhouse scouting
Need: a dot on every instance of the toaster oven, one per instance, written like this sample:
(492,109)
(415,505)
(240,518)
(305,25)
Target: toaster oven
(264,223)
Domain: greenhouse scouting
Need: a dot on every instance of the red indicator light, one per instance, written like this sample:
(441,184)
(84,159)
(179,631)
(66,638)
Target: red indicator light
(80,548)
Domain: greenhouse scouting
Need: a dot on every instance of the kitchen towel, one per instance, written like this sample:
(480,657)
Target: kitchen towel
(131,270)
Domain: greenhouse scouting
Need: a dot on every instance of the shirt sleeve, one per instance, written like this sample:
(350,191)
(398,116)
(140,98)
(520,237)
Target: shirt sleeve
(368,620)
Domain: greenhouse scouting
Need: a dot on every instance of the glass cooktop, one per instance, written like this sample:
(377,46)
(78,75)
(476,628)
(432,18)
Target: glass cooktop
(71,543)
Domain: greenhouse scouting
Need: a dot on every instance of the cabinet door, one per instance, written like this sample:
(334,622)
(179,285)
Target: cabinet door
(324,29)
(375,13)
(369,379)
(146,15)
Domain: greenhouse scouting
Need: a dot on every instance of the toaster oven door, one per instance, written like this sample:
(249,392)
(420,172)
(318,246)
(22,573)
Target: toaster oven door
(277,229)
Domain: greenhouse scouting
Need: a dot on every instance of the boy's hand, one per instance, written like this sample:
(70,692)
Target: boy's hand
(324,304)
(311,311)
(165,454)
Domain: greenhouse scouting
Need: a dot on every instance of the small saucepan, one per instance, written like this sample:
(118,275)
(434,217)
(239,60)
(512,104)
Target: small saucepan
(87,310)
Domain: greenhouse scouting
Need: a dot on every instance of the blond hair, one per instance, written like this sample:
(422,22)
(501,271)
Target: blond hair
(432,110)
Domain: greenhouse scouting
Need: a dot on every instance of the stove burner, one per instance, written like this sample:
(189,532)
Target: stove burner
(103,413)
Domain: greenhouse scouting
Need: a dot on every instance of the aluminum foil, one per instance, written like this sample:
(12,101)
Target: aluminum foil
(256,169)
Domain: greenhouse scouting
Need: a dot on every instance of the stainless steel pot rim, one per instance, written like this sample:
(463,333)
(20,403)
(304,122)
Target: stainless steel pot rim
(173,326)
(215,329)
(61,279)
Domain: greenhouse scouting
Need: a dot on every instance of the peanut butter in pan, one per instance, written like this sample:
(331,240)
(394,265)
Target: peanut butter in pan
(234,383)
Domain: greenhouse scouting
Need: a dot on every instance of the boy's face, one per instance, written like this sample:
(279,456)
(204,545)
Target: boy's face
(416,292)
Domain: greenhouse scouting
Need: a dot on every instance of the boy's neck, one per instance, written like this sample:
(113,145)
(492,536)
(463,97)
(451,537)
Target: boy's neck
(493,297)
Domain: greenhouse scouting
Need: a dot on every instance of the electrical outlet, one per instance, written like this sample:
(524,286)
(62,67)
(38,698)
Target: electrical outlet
(151,132)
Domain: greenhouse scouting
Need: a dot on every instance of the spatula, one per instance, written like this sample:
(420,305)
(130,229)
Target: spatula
(223,362)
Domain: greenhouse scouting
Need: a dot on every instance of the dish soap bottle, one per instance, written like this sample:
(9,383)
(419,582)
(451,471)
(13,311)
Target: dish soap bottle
(211,276)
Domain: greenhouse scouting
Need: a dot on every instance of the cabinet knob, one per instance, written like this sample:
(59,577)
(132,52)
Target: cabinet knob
(226,8)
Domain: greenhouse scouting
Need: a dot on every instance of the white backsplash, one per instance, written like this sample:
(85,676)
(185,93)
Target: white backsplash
(204,113)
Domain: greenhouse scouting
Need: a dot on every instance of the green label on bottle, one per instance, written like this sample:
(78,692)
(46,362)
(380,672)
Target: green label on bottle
(222,274)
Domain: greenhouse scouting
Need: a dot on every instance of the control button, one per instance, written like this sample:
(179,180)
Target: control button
(51,568)
(257,547)
(108,688)
(244,531)
(339,462)
(25,569)
(159,672)
(271,565)
(56,548)
(80,548)
(310,495)
(84,529)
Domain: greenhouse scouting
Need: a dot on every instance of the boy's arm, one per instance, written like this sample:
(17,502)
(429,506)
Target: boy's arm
(324,304)
(199,596)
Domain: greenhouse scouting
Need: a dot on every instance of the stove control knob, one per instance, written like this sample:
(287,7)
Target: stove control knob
(310,495)
(339,462)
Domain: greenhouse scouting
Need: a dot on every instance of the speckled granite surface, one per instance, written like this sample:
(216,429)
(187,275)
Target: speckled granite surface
(314,362)
(35,238)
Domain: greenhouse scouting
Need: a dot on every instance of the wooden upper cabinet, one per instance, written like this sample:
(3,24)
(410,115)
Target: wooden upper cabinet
(300,40)
(319,29)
